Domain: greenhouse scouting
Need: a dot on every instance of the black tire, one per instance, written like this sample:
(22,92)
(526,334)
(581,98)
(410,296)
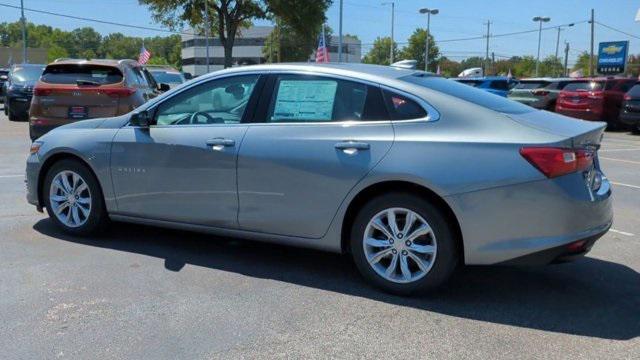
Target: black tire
(446,259)
(98,219)
(12,116)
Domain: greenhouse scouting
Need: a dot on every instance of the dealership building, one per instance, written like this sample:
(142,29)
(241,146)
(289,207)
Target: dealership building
(247,50)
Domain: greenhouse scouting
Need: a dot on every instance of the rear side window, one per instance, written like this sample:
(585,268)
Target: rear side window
(499,85)
(298,98)
(583,86)
(73,73)
(527,85)
(635,91)
(467,93)
(403,108)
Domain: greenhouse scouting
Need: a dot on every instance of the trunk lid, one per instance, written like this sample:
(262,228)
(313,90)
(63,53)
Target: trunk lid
(578,133)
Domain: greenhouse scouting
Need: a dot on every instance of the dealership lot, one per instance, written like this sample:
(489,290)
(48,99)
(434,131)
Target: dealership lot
(142,292)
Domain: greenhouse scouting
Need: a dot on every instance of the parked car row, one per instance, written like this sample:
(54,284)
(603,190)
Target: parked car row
(608,99)
(69,90)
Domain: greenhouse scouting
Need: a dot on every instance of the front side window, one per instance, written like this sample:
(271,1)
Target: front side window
(221,101)
(298,98)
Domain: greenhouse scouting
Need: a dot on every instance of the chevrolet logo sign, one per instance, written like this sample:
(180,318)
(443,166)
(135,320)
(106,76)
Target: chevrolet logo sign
(612,49)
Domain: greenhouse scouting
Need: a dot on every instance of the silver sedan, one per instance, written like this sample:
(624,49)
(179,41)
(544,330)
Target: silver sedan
(409,173)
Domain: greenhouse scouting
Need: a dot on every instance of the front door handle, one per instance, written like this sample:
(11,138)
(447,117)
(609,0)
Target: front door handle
(220,143)
(351,147)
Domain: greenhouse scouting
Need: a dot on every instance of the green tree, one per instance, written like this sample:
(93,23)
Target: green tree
(55,51)
(471,62)
(379,53)
(415,49)
(449,68)
(525,66)
(550,66)
(86,42)
(582,63)
(295,46)
(227,16)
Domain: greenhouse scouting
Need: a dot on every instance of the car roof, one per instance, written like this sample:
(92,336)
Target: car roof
(483,78)
(104,62)
(362,71)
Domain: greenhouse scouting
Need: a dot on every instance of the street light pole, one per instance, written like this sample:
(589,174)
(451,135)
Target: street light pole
(206,31)
(540,20)
(429,12)
(340,35)
(393,9)
(558,40)
(23,20)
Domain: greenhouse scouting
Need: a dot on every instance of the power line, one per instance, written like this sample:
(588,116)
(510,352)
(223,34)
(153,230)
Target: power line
(96,20)
(509,33)
(618,30)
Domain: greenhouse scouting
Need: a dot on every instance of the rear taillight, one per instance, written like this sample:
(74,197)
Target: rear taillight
(540,92)
(627,97)
(554,162)
(40,91)
(595,95)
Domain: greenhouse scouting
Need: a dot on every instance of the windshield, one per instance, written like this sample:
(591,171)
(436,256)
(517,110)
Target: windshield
(167,77)
(468,93)
(24,73)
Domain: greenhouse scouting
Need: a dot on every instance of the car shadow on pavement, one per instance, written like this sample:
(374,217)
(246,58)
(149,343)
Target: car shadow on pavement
(589,297)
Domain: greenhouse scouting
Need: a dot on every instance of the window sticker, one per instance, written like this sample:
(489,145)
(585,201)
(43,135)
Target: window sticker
(305,100)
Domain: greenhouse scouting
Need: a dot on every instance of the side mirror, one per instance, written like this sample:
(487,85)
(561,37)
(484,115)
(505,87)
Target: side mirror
(187,75)
(141,119)
(163,87)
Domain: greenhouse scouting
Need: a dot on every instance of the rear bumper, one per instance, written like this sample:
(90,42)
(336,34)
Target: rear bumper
(632,119)
(506,223)
(584,114)
(559,254)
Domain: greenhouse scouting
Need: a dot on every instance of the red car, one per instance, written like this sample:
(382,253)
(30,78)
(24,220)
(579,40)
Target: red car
(596,99)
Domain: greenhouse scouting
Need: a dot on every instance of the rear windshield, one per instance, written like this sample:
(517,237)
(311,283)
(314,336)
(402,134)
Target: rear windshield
(583,86)
(526,85)
(467,93)
(167,77)
(635,91)
(74,73)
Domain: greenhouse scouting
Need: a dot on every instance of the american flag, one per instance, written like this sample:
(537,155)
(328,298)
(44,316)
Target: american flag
(322,53)
(144,56)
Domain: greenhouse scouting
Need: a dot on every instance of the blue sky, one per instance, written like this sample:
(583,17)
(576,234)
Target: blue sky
(369,19)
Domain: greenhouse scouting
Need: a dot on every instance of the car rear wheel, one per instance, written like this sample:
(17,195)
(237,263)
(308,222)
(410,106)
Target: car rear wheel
(73,198)
(402,244)
(12,116)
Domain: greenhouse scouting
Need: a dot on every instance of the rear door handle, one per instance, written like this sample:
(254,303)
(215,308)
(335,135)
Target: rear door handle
(356,145)
(220,143)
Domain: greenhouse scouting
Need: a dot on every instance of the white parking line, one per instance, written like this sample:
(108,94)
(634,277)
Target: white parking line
(11,176)
(621,160)
(621,232)
(627,149)
(627,185)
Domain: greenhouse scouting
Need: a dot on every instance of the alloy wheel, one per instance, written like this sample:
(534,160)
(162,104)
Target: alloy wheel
(70,199)
(399,245)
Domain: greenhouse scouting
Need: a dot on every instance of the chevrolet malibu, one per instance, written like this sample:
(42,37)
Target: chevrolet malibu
(409,173)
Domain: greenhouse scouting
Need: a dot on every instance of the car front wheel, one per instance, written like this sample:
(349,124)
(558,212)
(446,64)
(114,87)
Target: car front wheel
(402,244)
(73,198)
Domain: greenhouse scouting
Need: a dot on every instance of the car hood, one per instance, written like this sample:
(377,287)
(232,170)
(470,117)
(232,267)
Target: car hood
(580,132)
(83,124)
(28,83)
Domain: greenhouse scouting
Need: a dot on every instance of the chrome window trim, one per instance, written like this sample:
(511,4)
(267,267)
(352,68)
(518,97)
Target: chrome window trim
(432,113)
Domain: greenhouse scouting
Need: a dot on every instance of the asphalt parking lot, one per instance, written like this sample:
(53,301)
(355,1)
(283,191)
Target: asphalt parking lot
(141,292)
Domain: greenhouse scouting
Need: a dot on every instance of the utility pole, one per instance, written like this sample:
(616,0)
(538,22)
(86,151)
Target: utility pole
(207,28)
(592,22)
(486,55)
(340,35)
(566,58)
(393,20)
(493,61)
(23,20)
